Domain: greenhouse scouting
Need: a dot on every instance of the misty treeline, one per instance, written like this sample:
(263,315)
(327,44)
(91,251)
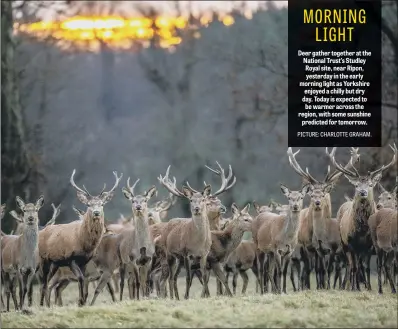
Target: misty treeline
(222,96)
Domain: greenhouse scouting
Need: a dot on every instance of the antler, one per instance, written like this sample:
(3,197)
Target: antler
(72,181)
(169,185)
(117,178)
(224,180)
(384,167)
(332,177)
(339,167)
(297,168)
(166,204)
(56,212)
(131,188)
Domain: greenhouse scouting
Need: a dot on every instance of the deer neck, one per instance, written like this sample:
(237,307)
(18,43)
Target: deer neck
(201,223)
(236,235)
(320,218)
(290,226)
(214,220)
(142,236)
(361,210)
(29,245)
(91,232)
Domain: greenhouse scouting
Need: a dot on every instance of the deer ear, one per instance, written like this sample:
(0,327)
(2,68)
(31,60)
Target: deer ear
(40,202)
(207,191)
(285,190)
(20,203)
(306,188)
(187,192)
(246,209)
(328,188)
(82,197)
(256,206)
(107,196)
(235,209)
(151,192)
(381,188)
(127,193)
(17,217)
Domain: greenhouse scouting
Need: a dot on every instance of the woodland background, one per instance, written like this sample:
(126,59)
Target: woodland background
(222,97)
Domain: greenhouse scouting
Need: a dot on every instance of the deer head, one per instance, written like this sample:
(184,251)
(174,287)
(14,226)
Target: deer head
(95,204)
(159,210)
(261,209)
(30,216)
(295,198)
(320,189)
(386,199)
(364,184)
(241,218)
(139,202)
(199,201)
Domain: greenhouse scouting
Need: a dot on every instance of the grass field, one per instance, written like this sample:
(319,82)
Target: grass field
(304,309)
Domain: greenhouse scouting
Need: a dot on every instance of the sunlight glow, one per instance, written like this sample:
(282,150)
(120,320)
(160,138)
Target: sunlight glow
(87,31)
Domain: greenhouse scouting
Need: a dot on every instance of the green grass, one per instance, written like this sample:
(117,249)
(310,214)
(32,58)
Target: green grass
(304,309)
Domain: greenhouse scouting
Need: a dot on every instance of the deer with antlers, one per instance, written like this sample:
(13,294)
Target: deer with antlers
(354,215)
(74,244)
(316,221)
(189,238)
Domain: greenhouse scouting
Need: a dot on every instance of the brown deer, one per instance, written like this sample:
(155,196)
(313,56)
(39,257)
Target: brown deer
(353,217)
(189,238)
(134,246)
(19,254)
(277,237)
(224,242)
(74,244)
(317,218)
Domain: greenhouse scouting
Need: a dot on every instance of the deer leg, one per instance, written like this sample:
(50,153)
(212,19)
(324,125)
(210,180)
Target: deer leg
(379,254)
(260,257)
(181,263)
(122,273)
(53,269)
(14,292)
(165,272)
(172,267)
(293,268)
(367,268)
(111,291)
(388,269)
(104,279)
(234,281)
(45,268)
(222,278)
(58,291)
(219,287)
(278,265)
(203,270)
(27,278)
(354,271)
(143,272)
(245,280)
(285,263)
(115,282)
(131,285)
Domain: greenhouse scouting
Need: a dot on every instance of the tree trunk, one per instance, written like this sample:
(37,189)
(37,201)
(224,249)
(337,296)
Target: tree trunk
(16,166)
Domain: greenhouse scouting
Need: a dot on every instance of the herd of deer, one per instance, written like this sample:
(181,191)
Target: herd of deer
(149,252)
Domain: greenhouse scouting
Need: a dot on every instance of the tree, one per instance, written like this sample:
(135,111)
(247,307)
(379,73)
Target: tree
(18,169)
